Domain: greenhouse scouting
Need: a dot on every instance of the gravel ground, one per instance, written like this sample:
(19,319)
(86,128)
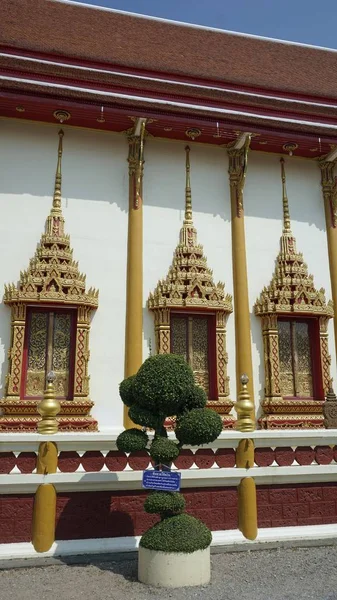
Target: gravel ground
(285,574)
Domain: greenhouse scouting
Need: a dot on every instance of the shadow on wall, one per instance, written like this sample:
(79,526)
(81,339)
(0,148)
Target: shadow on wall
(257,341)
(165,165)
(86,515)
(90,166)
(263,189)
(90,160)
(148,333)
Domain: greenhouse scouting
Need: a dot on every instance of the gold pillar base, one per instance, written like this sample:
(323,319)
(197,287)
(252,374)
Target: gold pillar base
(44,515)
(247,491)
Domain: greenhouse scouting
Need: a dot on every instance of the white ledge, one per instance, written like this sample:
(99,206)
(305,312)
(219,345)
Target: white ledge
(29,442)
(230,540)
(132,480)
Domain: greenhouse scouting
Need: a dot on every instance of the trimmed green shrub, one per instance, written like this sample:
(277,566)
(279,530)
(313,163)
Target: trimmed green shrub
(164,451)
(182,533)
(144,417)
(198,426)
(126,390)
(196,399)
(163,387)
(166,504)
(162,384)
(132,440)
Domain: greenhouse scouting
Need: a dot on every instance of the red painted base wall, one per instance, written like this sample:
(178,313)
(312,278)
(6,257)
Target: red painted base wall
(114,514)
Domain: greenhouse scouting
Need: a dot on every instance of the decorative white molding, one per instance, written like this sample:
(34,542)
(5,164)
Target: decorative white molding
(29,442)
(132,480)
(233,539)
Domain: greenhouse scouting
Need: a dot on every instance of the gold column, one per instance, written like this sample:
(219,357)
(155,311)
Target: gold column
(237,155)
(247,502)
(329,189)
(134,277)
(44,513)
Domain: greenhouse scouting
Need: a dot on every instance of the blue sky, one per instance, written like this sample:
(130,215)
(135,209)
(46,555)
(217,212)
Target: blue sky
(307,21)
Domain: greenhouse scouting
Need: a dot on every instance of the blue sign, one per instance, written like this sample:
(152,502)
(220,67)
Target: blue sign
(165,481)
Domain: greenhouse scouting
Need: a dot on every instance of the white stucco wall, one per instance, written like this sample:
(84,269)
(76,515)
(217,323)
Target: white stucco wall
(95,200)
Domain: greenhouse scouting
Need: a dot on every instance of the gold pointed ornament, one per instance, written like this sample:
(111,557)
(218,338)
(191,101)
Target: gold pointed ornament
(49,408)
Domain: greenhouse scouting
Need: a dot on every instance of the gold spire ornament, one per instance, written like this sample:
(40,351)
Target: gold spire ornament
(286,214)
(188,193)
(49,408)
(292,288)
(189,281)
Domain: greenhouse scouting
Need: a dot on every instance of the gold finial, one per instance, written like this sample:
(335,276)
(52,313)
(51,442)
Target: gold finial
(56,210)
(49,408)
(188,195)
(286,214)
(244,408)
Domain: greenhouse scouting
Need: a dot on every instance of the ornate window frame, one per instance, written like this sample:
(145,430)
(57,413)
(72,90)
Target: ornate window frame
(291,293)
(52,280)
(189,287)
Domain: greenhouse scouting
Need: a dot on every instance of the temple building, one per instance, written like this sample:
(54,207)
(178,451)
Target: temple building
(233,120)
(164,187)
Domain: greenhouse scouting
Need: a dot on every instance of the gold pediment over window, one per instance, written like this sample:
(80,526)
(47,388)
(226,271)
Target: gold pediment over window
(51,282)
(189,289)
(292,310)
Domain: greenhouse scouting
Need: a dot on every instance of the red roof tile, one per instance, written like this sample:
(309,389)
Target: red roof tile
(68,30)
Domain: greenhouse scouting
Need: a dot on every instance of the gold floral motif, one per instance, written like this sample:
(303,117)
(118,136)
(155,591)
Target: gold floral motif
(52,277)
(179,336)
(291,291)
(190,285)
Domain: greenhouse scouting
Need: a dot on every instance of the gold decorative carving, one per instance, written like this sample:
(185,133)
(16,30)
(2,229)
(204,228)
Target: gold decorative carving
(244,408)
(62,115)
(52,278)
(291,292)
(290,147)
(237,170)
(189,288)
(49,408)
(136,161)
(193,133)
(330,409)
(329,187)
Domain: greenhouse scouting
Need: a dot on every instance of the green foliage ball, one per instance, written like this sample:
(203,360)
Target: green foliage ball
(126,390)
(182,533)
(165,503)
(197,398)
(145,418)
(198,426)
(163,383)
(132,440)
(163,451)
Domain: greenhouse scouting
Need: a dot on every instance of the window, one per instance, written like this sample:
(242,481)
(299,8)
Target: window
(49,346)
(191,338)
(297,340)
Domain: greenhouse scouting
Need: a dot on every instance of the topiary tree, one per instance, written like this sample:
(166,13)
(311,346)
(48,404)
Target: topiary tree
(164,387)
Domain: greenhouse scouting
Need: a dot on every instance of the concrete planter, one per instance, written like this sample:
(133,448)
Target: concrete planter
(174,569)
